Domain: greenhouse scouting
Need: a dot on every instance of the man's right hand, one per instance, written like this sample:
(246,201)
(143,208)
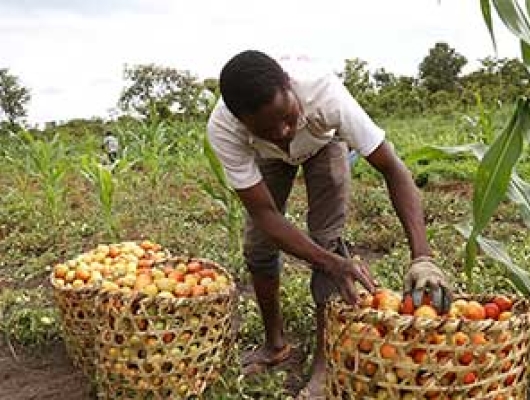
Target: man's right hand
(346,273)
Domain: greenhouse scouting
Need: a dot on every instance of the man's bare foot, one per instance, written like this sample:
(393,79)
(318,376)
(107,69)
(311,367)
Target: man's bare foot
(256,361)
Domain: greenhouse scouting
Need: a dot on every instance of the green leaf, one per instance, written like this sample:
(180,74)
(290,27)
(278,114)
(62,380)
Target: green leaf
(441,152)
(519,277)
(214,162)
(519,193)
(525,52)
(514,17)
(496,250)
(486,14)
(495,170)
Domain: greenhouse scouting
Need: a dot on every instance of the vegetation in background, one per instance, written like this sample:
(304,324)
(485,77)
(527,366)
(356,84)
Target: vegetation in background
(14,98)
(170,187)
(225,196)
(164,90)
(46,162)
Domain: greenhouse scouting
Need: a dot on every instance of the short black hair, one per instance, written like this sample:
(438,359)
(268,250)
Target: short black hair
(250,80)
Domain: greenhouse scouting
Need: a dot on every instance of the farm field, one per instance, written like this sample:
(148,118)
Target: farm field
(57,201)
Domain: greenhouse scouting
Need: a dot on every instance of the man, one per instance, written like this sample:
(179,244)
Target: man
(111,146)
(270,121)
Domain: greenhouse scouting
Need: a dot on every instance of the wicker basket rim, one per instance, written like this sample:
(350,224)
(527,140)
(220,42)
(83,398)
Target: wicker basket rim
(371,315)
(96,286)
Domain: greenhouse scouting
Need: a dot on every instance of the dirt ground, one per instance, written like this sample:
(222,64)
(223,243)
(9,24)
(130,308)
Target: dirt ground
(43,374)
(48,374)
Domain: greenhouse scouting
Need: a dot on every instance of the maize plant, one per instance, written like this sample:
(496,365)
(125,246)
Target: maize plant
(47,162)
(226,197)
(149,146)
(496,177)
(104,183)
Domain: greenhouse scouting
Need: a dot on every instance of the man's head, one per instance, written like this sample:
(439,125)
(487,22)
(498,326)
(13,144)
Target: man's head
(257,91)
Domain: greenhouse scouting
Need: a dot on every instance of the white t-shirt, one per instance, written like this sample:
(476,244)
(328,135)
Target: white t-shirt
(328,111)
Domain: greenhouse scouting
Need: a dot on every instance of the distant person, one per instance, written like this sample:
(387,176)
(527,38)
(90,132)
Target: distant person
(111,146)
(272,119)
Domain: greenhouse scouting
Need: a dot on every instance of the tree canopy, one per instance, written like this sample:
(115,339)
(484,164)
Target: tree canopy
(440,69)
(162,90)
(14,98)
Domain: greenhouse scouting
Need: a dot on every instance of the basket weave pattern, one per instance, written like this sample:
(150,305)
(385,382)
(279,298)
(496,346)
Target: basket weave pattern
(79,325)
(162,348)
(373,354)
(77,304)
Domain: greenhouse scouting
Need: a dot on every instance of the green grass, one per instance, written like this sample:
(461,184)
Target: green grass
(173,210)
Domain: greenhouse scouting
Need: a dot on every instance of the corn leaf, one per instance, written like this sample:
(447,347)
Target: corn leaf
(494,175)
(440,152)
(514,17)
(485,6)
(496,250)
(519,193)
(495,170)
(519,277)
(525,53)
(215,164)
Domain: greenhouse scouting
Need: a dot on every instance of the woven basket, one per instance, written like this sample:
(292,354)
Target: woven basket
(162,348)
(373,354)
(79,319)
(79,324)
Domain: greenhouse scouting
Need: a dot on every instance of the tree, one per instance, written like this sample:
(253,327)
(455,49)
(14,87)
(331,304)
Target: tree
(398,95)
(383,78)
(440,69)
(13,98)
(357,79)
(163,91)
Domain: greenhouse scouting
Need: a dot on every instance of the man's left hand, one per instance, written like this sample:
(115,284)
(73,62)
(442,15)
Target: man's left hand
(423,275)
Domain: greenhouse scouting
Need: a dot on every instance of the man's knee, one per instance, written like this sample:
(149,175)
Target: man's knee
(322,285)
(322,288)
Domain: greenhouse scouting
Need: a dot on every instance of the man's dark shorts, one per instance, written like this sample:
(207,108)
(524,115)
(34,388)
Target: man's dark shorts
(327,181)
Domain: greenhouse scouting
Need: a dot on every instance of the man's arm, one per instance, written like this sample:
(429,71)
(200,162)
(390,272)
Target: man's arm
(404,195)
(260,205)
(423,274)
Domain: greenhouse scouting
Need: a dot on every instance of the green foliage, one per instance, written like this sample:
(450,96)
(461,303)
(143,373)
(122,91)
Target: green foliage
(440,69)
(494,175)
(356,78)
(27,317)
(162,91)
(515,18)
(187,220)
(297,306)
(223,195)
(494,178)
(149,146)
(104,184)
(47,162)
(13,98)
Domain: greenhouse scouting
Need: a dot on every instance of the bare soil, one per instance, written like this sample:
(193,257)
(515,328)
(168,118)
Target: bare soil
(44,373)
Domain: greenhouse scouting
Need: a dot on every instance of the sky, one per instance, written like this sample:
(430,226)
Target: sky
(71,53)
